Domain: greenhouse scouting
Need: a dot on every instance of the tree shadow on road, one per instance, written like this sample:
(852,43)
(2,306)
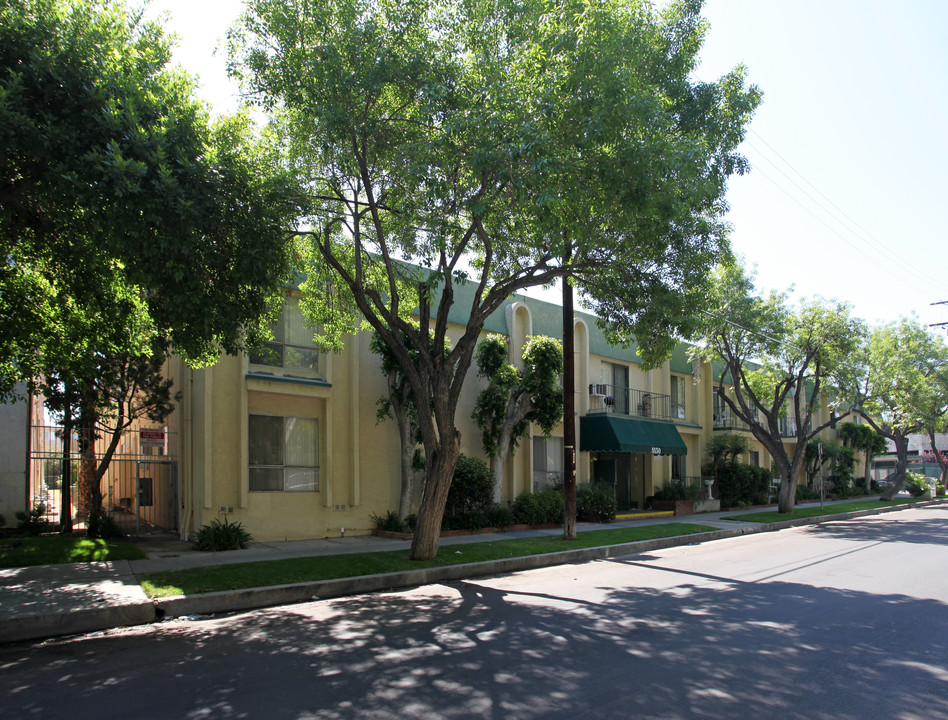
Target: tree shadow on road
(706,648)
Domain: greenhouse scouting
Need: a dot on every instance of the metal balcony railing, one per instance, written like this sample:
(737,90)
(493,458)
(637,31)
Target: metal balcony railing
(605,398)
(788,428)
(727,421)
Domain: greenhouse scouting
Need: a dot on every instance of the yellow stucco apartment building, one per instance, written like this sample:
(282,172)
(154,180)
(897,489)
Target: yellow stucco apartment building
(286,441)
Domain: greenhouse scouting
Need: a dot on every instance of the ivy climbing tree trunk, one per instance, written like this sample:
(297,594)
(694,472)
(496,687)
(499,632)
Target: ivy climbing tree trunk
(514,398)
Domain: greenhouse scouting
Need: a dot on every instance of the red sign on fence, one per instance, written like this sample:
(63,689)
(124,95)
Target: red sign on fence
(151,437)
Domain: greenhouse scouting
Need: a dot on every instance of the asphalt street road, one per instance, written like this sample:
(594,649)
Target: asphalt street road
(842,620)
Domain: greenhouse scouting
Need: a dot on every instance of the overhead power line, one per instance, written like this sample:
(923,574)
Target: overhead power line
(833,230)
(851,225)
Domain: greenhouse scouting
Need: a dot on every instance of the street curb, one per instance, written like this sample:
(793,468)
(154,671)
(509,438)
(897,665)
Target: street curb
(255,598)
(36,626)
(74,622)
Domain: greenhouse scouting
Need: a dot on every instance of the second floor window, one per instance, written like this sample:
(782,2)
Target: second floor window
(292,347)
(678,397)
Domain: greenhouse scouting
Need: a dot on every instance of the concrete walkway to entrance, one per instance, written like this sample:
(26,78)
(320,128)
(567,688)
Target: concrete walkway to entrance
(50,600)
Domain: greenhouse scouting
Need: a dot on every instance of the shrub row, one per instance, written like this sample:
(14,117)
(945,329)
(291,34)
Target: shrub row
(678,489)
(741,485)
(470,504)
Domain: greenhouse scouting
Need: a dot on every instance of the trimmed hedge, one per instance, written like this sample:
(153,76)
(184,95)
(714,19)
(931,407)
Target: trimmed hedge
(741,484)
(596,502)
(539,508)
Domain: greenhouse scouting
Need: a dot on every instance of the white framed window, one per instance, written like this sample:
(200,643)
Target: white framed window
(283,454)
(547,461)
(292,347)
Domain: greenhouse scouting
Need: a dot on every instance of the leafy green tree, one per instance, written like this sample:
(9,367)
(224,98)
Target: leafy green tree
(485,141)
(866,440)
(515,398)
(819,454)
(906,387)
(110,329)
(778,363)
(119,390)
(114,183)
(724,448)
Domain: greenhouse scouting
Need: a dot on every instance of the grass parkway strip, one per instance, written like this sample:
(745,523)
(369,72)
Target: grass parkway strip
(808,511)
(330,567)
(59,549)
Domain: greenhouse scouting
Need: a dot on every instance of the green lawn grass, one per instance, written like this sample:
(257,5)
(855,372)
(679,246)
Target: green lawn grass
(58,549)
(327,567)
(806,511)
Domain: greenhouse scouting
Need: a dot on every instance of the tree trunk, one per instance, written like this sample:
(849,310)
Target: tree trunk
(787,499)
(96,507)
(438,476)
(789,478)
(516,412)
(406,435)
(901,466)
(406,492)
(497,463)
(939,458)
(868,473)
(87,468)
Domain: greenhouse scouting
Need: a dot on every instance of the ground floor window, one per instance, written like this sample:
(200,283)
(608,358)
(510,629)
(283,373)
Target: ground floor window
(678,467)
(283,454)
(755,458)
(547,461)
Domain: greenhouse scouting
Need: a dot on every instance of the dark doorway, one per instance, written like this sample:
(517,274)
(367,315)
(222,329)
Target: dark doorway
(613,468)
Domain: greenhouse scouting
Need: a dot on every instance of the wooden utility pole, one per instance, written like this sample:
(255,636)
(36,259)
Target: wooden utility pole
(569,404)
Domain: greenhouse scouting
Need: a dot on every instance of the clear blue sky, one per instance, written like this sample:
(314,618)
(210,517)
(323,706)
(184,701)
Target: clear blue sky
(846,196)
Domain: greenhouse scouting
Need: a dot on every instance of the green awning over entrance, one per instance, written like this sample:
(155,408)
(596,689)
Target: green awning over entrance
(611,433)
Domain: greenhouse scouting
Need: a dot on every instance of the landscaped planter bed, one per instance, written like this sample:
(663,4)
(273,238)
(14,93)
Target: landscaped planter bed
(679,507)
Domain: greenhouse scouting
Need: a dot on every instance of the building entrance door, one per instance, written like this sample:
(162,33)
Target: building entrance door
(613,468)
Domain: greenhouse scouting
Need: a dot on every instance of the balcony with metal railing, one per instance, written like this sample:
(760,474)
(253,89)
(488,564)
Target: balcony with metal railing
(613,399)
(725,420)
(788,428)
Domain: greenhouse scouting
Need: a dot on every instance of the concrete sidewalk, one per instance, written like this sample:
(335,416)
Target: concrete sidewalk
(51,600)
